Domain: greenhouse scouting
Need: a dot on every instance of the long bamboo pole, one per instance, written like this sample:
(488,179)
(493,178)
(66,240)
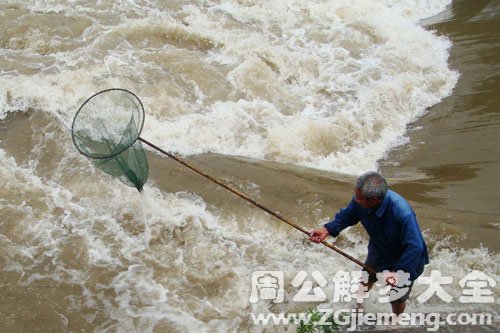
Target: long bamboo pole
(241,195)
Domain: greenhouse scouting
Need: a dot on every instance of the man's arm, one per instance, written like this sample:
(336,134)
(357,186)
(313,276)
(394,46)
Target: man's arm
(413,245)
(346,217)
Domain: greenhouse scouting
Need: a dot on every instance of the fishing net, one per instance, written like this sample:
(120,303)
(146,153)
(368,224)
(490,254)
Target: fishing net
(106,129)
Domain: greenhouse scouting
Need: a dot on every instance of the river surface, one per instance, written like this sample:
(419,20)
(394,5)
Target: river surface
(286,101)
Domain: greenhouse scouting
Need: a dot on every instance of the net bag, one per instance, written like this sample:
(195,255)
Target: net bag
(106,129)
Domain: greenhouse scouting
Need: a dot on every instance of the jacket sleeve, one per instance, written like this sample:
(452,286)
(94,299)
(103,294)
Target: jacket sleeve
(346,217)
(413,246)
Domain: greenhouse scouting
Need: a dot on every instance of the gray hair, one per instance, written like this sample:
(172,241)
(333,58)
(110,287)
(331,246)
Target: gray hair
(372,185)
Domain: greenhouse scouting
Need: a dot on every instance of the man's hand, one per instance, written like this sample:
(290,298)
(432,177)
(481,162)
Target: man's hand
(318,235)
(393,279)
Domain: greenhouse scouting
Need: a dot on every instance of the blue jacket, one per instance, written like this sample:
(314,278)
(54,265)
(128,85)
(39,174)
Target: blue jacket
(396,242)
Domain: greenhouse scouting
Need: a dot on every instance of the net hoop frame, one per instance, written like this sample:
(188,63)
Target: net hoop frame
(88,100)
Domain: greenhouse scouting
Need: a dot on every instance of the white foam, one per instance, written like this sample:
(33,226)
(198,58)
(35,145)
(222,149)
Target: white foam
(334,83)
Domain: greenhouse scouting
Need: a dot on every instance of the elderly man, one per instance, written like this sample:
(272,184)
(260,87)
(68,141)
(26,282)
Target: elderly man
(396,242)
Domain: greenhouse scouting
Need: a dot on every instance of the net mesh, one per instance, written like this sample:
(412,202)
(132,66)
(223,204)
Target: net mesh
(106,129)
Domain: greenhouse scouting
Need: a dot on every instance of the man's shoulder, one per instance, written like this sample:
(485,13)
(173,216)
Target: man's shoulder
(399,205)
(395,196)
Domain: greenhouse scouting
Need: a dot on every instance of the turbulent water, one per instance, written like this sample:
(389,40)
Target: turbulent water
(302,85)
